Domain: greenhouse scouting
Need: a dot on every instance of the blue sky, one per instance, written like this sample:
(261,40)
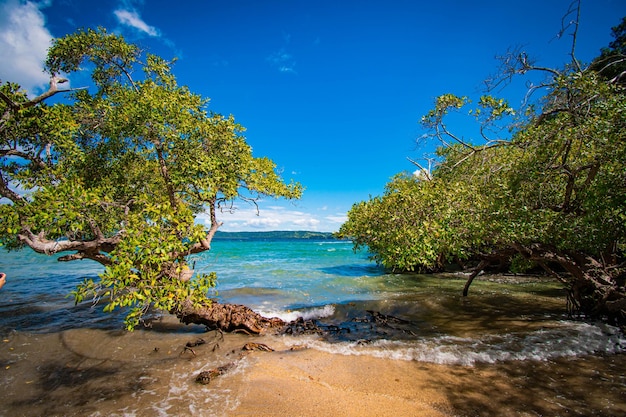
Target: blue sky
(331,91)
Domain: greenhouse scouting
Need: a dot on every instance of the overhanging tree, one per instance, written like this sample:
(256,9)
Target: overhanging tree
(548,188)
(118,173)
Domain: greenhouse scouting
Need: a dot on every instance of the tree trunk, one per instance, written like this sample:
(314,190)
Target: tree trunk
(228,318)
(593,288)
(501,257)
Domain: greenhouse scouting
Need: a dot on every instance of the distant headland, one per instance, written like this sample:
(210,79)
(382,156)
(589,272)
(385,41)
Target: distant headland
(277,234)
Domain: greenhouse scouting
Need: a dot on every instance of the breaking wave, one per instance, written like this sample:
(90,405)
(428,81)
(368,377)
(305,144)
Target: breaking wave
(305,314)
(570,339)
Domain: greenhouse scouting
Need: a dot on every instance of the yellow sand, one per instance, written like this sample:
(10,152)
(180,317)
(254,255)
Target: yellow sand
(313,383)
(101,373)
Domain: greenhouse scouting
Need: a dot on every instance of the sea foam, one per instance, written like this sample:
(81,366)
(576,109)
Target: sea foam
(305,314)
(571,339)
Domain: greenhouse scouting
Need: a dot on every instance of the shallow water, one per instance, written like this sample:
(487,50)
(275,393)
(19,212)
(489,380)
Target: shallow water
(510,335)
(95,372)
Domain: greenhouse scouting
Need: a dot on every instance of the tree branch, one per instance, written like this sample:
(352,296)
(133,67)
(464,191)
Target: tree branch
(574,7)
(8,101)
(86,249)
(423,170)
(97,256)
(5,191)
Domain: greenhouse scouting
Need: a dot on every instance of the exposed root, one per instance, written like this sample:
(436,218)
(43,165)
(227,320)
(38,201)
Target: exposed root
(228,318)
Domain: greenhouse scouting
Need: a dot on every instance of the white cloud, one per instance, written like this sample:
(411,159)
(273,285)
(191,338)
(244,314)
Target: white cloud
(24,43)
(131,18)
(338,219)
(276,218)
(282,61)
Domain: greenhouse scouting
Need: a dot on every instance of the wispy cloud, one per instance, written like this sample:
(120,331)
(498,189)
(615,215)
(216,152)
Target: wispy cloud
(24,43)
(269,218)
(131,17)
(276,217)
(282,61)
(337,219)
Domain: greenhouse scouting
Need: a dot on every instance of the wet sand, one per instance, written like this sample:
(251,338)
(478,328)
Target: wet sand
(150,373)
(311,383)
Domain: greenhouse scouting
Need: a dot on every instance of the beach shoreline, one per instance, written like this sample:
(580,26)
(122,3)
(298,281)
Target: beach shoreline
(88,372)
(313,383)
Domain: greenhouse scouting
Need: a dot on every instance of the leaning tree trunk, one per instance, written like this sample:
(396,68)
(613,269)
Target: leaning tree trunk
(227,317)
(594,289)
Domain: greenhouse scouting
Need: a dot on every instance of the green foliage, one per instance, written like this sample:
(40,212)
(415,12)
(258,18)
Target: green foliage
(611,64)
(143,273)
(118,174)
(557,179)
(521,265)
(443,105)
(568,175)
(417,225)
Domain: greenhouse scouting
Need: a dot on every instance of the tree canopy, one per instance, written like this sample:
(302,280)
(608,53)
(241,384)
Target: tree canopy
(540,186)
(118,173)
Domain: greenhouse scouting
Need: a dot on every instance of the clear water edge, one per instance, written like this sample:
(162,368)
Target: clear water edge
(75,360)
(502,319)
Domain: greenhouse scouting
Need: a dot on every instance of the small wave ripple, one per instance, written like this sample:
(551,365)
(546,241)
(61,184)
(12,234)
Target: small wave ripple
(570,339)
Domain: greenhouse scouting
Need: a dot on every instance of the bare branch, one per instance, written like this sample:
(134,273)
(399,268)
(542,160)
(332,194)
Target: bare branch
(574,8)
(442,130)
(54,81)
(514,62)
(86,249)
(5,191)
(425,171)
(98,257)
(604,64)
(13,105)
(20,154)
(205,244)
(618,78)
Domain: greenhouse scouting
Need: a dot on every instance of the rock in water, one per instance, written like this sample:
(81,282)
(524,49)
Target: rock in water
(206,377)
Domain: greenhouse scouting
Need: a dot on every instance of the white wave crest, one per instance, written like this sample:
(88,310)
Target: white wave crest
(307,314)
(570,340)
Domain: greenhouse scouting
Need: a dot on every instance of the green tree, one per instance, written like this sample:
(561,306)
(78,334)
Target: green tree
(611,64)
(548,189)
(417,225)
(117,173)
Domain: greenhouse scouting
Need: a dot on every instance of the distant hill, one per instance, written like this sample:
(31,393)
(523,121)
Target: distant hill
(284,234)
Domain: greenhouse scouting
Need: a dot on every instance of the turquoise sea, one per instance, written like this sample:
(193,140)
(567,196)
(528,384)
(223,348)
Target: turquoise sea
(508,345)
(509,318)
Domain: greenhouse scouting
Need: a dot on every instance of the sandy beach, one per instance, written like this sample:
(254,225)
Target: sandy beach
(311,383)
(150,373)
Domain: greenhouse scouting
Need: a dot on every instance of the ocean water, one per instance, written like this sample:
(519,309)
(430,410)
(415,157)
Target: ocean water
(511,318)
(507,346)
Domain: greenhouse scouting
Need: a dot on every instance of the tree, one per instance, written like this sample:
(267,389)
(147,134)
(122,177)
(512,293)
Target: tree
(417,225)
(611,64)
(547,190)
(118,176)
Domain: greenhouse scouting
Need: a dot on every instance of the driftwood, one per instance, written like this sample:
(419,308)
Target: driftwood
(228,318)
(206,377)
(256,346)
(190,345)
